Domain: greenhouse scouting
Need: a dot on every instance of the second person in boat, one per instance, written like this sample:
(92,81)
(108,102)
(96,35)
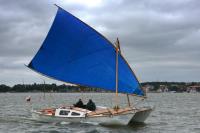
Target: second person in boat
(91,105)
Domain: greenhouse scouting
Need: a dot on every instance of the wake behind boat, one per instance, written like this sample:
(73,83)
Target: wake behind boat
(73,52)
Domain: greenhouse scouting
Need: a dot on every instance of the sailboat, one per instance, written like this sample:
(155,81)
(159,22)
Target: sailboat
(73,52)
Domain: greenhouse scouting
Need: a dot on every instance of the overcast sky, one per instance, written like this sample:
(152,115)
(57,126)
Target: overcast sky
(160,39)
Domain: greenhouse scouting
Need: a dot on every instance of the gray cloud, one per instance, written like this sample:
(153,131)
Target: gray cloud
(160,39)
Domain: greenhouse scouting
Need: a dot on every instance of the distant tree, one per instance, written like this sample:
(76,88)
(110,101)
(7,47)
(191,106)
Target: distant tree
(174,88)
(4,88)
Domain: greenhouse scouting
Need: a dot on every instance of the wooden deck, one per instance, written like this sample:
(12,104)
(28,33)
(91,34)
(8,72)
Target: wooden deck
(110,112)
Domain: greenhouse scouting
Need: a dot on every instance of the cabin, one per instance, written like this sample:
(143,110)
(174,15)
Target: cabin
(69,113)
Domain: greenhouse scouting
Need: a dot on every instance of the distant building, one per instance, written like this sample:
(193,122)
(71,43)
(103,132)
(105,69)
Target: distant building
(163,88)
(193,89)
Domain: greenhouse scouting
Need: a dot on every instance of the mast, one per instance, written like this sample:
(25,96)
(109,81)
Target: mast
(118,50)
(116,73)
(129,104)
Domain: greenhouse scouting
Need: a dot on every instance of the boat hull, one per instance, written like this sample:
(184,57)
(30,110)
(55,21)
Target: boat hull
(117,119)
(140,116)
(137,116)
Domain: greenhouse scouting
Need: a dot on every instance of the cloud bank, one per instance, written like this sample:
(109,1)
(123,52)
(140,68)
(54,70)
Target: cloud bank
(160,39)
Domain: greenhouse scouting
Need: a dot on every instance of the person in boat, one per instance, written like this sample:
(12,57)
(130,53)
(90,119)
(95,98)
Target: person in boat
(91,105)
(79,104)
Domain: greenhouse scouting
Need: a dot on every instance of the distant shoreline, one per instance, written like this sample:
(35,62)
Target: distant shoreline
(153,87)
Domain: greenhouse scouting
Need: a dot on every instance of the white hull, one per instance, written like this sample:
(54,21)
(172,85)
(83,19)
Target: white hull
(141,116)
(120,119)
(137,115)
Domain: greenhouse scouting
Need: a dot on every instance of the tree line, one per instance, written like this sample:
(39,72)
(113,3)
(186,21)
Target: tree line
(46,88)
(172,86)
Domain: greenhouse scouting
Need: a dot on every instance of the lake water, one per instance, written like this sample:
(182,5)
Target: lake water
(174,113)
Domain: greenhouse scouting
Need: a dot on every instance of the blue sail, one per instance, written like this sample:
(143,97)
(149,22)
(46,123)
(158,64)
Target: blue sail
(74,52)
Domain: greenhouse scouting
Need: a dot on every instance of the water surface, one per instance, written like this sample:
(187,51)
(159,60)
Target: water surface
(174,113)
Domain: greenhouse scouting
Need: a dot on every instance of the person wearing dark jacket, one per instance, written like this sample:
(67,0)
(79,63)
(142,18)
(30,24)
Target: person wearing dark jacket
(91,105)
(79,104)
